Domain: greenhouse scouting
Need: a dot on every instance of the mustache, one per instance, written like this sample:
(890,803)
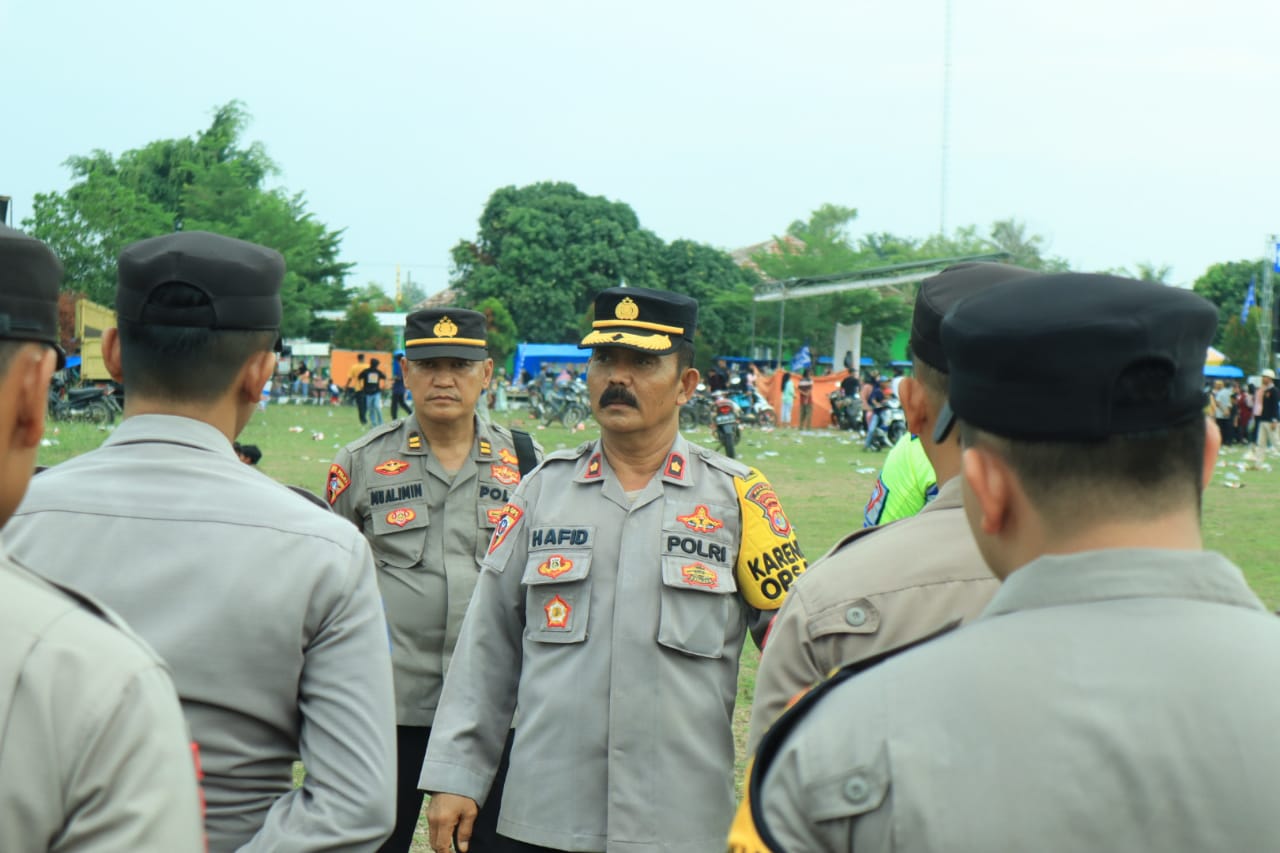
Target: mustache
(618,394)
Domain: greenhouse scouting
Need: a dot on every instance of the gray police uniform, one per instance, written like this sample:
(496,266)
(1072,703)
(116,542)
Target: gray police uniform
(94,754)
(1109,700)
(877,590)
(265,609)
(616,622)
(428,530)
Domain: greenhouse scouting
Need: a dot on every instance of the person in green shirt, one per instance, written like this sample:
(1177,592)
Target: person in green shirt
(905,485)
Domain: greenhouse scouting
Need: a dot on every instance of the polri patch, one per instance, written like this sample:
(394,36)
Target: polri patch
(508,517)
(700,520)
(504,474)
(557,610)
(401,516)
(555,565)
(763,496)
(675,467)
(338,483)
(392,467)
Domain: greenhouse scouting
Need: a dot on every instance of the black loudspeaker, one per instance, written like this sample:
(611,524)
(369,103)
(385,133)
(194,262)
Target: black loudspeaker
(4,209)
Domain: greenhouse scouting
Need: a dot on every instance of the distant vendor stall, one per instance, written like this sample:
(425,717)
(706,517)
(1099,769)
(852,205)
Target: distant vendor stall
(532,357)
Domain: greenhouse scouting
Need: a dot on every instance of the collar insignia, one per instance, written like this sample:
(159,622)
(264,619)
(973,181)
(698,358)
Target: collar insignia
(593,468)
(486,449)
(415,441)
(675,467)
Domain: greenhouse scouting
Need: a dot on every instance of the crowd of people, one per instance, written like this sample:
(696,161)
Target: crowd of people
(1041,657)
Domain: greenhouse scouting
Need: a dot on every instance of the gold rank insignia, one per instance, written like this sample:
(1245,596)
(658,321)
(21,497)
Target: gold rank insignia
(445,328)
(675,466)
(415,441)
(486,449)
(627,309)
(593,468)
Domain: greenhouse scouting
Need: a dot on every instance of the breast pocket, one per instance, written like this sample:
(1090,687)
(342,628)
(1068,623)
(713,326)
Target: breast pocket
(557,595)
(400,535)
(698,606)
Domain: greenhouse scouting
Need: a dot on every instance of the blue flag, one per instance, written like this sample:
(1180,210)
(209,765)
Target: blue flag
(801,359)
(1250,300)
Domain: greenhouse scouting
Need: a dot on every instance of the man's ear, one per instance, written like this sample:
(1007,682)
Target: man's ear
(915,405)
(111,354)
(254,375)
(990,481)
(1212,444)
(688,385)
(488,372)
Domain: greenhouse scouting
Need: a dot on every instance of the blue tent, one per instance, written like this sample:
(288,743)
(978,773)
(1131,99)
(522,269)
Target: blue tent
(531,357)
(1223,371)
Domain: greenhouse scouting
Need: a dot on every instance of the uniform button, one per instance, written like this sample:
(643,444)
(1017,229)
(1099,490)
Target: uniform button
(855,616)
(857,790)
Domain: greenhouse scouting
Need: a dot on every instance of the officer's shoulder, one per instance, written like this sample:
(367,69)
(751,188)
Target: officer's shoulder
(373,435)
(720,462)
(568,455)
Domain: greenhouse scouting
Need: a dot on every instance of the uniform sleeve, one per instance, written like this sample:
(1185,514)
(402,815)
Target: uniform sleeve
(479,695)
(347,737)
(769,555)
(338,491)
(134,785)
(788,667)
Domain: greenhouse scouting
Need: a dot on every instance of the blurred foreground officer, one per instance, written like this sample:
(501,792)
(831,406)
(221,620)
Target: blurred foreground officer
(427,492)
(612,608)
(1122,689)
(886,587)
(264,606)
(93,748)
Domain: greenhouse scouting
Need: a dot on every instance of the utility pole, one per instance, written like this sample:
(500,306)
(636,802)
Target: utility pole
(1269,266)
(946,118)
(782,315)
(397,286)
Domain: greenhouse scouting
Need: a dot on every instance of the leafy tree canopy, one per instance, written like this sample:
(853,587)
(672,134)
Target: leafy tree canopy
(1226,285)
(1240,341)
(360,329)
(502,335)
(209,182)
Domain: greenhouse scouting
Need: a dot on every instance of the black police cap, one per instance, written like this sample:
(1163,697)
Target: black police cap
(940,293)
(29,277)
(637,318)
(1039,359)
(446,333)
(242,281)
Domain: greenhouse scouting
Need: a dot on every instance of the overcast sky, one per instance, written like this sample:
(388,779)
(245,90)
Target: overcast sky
(1120,130)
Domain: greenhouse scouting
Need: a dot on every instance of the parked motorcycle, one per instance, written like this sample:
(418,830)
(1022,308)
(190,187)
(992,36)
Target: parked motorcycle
(728,427)
(91,404)
(699,409)
(754,407)
(890,425)
(846,411)
(568,404)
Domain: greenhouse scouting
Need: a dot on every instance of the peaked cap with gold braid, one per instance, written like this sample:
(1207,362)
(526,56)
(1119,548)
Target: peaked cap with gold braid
(445,333)
(652,321)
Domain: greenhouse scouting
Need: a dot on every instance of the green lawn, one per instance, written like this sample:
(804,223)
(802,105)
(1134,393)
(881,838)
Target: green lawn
(816,476)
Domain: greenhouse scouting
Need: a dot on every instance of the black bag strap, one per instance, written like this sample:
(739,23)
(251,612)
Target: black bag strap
(525,453)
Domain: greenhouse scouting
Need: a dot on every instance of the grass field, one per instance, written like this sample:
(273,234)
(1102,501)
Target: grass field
(820,477)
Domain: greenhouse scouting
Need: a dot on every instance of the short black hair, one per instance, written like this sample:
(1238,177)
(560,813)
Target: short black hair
(1136,475)
(936,383)
(684,355)
(183,363)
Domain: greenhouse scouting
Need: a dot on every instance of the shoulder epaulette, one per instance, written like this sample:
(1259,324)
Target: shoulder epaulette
(777,734)
(376,432)
(568,454)
(721,462)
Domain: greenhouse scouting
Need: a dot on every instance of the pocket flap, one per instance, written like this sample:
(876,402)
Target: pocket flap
(694,574)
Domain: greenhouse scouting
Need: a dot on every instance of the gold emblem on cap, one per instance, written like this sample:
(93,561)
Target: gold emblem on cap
(446,328)
(627,309)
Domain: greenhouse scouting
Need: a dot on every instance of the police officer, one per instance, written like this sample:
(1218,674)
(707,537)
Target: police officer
(906,483)
(427,492)
(93,747)
(264,606)
(875,592)
(1120,692)
(611,607)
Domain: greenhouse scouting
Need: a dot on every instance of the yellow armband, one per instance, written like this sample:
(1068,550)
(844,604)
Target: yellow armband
(769,555)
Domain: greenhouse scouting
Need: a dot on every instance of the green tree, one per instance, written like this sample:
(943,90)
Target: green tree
(502,335)
(359,329)
(209,182)
(1147,271)
(375,297)
(546,250)
(723,290)
(1240,341)
(1226,285)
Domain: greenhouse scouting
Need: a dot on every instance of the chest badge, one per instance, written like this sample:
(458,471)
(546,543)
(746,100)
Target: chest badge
(401,516)
(555,565)
(392,467)
(507,456)
(593,468)
(675,467)
(699,574)
(507,518)
(557,610)
(504,474)
(700,520)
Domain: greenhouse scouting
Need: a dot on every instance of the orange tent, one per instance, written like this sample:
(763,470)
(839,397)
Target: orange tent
(771,387)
